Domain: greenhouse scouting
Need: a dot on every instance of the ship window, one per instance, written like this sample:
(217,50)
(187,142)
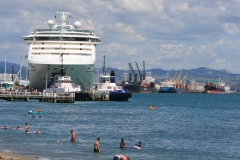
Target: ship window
(42,43)
(42,48)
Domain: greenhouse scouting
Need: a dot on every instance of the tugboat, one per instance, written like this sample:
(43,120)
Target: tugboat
(107,90)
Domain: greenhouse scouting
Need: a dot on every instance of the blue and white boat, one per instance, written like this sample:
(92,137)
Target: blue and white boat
(107,90)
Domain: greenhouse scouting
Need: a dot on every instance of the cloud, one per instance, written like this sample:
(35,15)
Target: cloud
(167,34)
(231,28)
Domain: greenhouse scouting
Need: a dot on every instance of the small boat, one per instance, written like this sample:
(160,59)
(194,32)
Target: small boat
(34,112)
(151,107)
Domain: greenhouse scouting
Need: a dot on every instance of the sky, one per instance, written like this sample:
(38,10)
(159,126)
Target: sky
(166,34)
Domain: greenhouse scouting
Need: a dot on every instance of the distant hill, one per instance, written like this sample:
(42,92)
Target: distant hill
(14,67)
(199,74)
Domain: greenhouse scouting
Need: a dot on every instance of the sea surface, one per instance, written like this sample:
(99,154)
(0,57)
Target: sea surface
(183,126)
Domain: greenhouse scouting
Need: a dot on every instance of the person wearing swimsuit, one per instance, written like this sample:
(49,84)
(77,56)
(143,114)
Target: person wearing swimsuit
(120,157)
(122,144)
(96,146)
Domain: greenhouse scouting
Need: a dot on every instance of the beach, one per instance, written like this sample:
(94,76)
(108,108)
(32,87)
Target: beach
(13,156)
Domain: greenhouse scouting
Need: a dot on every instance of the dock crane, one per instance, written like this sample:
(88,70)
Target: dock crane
(132,73)
(184,78)
(141,78)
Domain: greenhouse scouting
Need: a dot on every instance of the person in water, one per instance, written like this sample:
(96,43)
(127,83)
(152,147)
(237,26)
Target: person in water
(17,128)
(37,110)
(122,144)
(120,157)
(73,135)
(26,127)
(38,131)
(4,127)
(96,146)
(139,144)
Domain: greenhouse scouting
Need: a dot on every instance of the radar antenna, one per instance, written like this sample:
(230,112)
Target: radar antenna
(63,16)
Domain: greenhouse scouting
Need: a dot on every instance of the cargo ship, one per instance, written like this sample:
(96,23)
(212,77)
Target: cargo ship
(144,84)
(174,85)
(214,87)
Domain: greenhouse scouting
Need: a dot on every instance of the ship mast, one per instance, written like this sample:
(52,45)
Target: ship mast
(63,19)
(144,72)
(103,71)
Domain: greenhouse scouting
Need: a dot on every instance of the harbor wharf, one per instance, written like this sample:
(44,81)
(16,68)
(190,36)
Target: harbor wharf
(41,96)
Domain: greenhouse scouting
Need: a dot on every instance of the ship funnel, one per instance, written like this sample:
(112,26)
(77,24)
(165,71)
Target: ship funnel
(112,77)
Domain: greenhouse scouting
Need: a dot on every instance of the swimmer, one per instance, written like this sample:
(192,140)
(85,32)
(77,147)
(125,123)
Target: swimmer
(37,110)
(96,146)
(24,115)
(122,144)
(26,127)
(4,127)
(17,128)
(73,135)
(138,146)
(38,131)
(120,157)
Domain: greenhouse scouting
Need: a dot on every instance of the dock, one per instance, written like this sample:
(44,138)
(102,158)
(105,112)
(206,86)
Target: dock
(41,96)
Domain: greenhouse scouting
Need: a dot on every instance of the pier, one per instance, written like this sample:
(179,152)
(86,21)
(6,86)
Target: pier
(41,96)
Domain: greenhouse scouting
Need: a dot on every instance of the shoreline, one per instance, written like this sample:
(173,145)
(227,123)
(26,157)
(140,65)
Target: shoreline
(14,156)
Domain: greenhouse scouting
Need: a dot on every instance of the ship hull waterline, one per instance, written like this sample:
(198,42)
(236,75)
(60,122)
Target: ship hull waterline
(139,89)
(41,72)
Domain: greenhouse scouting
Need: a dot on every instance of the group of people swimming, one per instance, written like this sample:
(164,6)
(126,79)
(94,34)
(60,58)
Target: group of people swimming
(96,146)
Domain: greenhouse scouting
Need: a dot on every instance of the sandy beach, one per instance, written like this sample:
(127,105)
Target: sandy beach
(13,156)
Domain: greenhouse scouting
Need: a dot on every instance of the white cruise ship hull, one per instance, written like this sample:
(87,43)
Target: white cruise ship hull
(41,74)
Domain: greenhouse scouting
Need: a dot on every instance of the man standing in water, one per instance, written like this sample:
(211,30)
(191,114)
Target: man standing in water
(73,135)
(26,127)
(122,144)
(96,145)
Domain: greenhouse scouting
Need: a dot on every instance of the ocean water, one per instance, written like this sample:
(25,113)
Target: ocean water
(183,126)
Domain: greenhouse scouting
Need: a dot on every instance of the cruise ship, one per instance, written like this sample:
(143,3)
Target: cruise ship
(61,49)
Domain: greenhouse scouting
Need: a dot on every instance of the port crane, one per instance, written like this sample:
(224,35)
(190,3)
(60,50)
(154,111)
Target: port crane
(139,71)
(132,73)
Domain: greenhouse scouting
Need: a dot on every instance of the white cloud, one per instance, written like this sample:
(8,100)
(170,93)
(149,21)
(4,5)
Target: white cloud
(167,34)
(231,28)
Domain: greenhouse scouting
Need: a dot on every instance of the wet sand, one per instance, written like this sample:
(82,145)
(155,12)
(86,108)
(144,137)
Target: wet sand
(13,156)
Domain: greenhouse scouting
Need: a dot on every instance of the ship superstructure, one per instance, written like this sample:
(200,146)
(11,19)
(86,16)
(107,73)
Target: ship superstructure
(60,49)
